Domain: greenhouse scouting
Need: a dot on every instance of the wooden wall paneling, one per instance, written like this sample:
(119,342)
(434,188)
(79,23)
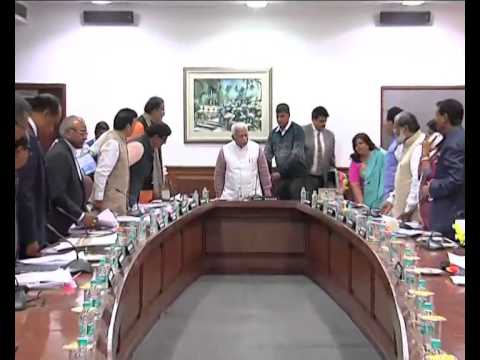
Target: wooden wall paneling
(172,259)
(362,286)
(318,249)
(192,237)
(187,179)
(340,260)
(152,275)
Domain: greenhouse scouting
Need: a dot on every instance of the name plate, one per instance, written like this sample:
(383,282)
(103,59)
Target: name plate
(173,217)
(341,218)
(184,210)
(193,205)
(131,247)
(121,260)
(351,223)
(398,271)
(203,202)
(111,276)
(331,212)
(362,232)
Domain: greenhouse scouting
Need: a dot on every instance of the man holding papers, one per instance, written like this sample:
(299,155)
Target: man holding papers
(65,180)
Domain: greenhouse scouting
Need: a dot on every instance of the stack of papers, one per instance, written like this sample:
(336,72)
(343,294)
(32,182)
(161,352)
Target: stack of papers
(105,240)
(407,232)
(52,250)
(458,280)
(45,279)
(58,259)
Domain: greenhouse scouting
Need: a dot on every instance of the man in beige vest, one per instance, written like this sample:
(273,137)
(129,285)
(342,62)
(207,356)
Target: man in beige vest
(112,176)
(403,200)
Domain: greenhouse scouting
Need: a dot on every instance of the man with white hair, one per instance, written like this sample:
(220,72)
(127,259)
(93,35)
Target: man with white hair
(65,179)
(241,170)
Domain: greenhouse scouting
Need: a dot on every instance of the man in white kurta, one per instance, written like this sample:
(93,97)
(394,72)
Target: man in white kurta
(241,171)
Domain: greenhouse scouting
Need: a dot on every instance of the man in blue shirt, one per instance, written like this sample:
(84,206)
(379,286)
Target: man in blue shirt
(390,159)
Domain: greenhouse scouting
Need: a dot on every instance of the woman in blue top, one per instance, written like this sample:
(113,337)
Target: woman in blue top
(367,171)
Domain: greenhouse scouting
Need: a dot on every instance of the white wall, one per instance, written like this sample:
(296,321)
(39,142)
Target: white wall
(321,54)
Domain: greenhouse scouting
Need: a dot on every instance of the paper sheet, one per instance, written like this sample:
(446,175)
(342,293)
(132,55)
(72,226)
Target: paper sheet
(45,278)
(106,218)
(456,260)
(52,250)
(458,280)
(105,240)
(59,259)
(408,232)
(126,218)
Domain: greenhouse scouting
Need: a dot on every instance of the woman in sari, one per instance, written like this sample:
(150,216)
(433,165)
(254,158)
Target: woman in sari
(427,167)
(366,171)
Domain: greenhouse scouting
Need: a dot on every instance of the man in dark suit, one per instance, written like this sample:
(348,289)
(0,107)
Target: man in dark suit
(447,187)
(319,150)
(32,195)
(65,179)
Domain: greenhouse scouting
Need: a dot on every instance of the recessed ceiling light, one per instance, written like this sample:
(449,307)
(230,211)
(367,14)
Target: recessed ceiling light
(101,2)
(257,4)
(412,3)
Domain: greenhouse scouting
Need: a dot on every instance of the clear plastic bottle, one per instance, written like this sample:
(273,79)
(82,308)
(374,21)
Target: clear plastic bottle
(303,195)
(195,198)
(205,195)
(87,321)
(314,199)
(153,222)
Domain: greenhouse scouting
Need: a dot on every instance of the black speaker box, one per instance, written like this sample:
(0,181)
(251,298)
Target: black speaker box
(108,18)
(405,18)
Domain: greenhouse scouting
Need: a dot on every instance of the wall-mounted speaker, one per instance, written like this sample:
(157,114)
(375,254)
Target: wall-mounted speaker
(405,18)
(108,18)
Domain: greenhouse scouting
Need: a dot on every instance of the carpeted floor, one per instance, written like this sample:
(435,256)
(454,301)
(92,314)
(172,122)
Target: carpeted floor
(239,317)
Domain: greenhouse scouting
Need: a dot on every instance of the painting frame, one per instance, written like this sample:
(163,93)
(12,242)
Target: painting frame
(198,129)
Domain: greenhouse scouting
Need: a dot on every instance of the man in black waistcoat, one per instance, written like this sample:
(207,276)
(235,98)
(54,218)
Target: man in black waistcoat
(141,157)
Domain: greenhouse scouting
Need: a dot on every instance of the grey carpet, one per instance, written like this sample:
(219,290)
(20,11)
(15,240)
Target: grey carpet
(255,317)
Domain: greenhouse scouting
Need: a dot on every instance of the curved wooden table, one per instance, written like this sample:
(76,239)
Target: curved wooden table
(271,237)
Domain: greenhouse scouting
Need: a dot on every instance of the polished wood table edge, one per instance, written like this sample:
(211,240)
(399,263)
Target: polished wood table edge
(310,213)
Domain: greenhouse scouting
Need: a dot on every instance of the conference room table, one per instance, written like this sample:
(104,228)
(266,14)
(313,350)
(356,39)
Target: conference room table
(251,237)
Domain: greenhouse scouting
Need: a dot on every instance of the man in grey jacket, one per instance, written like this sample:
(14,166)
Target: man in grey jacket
(319,150)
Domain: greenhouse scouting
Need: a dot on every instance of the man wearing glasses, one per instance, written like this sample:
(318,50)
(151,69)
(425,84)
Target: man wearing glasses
(65,180)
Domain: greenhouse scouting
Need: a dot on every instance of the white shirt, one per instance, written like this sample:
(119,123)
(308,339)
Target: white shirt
(277,129)
(74,153)
(412,198)
(108,156)
(315,151)
(33,125)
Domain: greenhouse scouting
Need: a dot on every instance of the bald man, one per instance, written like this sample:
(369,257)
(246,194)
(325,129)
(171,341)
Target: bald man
(65,179)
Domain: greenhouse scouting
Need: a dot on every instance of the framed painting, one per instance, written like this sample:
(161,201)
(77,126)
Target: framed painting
(216,98)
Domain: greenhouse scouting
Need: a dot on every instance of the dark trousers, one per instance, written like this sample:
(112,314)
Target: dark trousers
(313,182)
(289,189)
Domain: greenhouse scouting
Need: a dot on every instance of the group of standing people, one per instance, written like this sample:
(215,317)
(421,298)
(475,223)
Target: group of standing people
(52,190)
(420,177)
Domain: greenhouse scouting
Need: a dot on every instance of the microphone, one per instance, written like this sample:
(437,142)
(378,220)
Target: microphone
(77,265)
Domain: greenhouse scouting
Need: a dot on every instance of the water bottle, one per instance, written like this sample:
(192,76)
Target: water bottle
(195,198)
(240,194)
(87,321)
(102,273)
(205,195)
(153,222)
(303,195)
(314,199)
